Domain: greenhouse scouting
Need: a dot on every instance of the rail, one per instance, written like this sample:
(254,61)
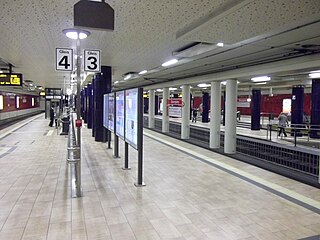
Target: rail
(295,162)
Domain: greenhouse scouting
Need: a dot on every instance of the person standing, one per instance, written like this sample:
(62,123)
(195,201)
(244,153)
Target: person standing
(51,116)
(283,121)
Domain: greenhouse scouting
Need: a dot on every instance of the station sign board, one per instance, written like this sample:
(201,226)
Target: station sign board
(92,61)
(175,102)
(11,79)
(64,59)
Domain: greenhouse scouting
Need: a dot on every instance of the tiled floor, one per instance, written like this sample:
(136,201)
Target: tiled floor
(184,197)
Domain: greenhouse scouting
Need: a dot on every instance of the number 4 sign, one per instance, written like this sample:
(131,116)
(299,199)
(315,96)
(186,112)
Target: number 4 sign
(92,60)
(64,59)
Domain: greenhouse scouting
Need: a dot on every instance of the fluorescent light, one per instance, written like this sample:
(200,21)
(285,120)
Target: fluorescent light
(170,62)
(224,83)
(116,82)
(261,83)
(261,79)
(220,44)
(127,77)
(204,85)
(172,89)
(159,90)
(1,71)
(314,75)
(143,72)
(248,99)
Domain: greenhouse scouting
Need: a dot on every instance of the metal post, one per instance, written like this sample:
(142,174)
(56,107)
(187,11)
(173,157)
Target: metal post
(126,157)
(140,182)
(295,136)
(116,146)
(109,139)
(78,93)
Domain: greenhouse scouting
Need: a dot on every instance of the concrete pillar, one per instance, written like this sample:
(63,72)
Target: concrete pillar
(231,117)
(151,108)
(165,115)
(315,108)
(185,123)
(215,115)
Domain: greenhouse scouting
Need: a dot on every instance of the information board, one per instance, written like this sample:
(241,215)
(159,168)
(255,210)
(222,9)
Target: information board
(175,111)
(131,127)
(111,112)
(105,110)
(120,114)
(11,79)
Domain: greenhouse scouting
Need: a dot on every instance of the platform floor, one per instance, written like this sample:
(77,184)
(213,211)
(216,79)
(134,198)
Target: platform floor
(190,192)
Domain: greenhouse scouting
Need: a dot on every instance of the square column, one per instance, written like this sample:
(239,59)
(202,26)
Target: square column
(230,135)
(215,115)
(165,115)
(151,108)
(185,121)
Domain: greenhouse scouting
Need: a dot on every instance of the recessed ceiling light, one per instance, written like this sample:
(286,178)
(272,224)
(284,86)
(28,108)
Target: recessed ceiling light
(204,85)
(170,62)
(220,44)
(143,72)
(261,79)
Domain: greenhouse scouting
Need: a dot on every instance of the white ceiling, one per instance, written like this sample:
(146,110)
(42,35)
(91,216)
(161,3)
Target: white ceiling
(148,31)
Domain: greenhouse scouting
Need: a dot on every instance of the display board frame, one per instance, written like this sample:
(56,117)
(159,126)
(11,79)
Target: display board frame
(131,117)
(120,113)
(105,110)
(111,112)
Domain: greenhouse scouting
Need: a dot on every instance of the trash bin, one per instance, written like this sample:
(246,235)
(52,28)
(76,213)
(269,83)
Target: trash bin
(65,125)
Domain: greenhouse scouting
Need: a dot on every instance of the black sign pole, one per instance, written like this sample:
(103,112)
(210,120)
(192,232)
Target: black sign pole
(140,182)
(109,138)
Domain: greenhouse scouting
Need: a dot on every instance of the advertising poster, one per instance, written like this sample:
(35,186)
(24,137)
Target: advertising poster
(111,112)
(120,114)
(131,129)
(105,110)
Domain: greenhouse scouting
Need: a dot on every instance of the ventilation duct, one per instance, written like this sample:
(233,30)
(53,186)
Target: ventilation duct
(194,49)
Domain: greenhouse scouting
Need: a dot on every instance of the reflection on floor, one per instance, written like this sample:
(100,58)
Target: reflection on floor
(184,198)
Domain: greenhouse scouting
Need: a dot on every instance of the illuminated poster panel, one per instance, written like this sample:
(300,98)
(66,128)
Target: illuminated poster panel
(105,110)
(120,114)
(1,102)
(111,112)
(131,129)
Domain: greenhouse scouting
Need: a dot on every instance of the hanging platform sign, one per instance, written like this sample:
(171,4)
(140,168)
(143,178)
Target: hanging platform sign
(64,59)
(11,79)
(92,61)
(93,14)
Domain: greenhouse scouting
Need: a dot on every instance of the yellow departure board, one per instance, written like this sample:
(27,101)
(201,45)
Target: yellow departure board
(11,79)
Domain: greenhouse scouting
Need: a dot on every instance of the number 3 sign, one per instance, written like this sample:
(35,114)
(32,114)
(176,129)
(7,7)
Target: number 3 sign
(92,60)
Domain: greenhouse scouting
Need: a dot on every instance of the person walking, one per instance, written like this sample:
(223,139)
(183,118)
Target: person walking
(283,121)
(194,115)
(51,116)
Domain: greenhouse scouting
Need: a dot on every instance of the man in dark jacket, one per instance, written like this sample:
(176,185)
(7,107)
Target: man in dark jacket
(51,116)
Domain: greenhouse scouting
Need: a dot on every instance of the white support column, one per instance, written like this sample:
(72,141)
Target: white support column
(151,108)
(185,122)
(230,135)
(215,114)
(165,115)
